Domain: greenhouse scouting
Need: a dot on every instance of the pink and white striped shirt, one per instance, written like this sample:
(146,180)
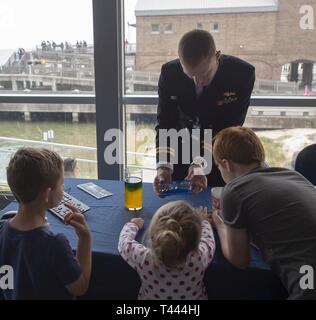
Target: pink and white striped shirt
(160,283)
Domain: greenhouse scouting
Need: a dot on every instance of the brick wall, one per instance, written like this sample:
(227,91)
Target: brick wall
(267,40)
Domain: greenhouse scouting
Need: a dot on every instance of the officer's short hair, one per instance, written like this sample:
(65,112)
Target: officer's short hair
(195,46)
(238,144)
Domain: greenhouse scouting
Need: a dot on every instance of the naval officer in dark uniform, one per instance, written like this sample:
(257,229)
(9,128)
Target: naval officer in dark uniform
(202,89)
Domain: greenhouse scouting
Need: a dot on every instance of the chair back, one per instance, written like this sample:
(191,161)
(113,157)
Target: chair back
(305,163)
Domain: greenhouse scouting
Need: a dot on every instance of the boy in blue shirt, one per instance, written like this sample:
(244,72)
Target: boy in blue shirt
(43,262)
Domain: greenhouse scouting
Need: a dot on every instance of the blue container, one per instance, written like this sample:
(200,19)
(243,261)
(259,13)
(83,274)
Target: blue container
(174,188)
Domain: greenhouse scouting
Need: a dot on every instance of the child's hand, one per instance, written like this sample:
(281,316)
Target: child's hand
(77,220)
(210,217)
(139,222)
(202,212)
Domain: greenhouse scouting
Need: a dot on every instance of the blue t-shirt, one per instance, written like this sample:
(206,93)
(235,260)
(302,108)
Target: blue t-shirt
(43,263)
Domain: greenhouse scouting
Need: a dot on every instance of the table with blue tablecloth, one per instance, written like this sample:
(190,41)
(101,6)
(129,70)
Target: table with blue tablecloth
(113,278)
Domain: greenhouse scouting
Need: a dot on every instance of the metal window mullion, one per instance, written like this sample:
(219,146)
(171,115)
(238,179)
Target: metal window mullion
(47,99)
(264,101)
(108,81)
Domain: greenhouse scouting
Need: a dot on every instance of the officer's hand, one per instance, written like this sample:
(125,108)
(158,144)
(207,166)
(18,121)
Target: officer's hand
(163,176)
(197,178)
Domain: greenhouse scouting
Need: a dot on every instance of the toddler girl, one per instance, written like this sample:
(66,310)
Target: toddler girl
(180,247)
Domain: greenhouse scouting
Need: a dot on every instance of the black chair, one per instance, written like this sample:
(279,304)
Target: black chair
(305,163)
(6,216)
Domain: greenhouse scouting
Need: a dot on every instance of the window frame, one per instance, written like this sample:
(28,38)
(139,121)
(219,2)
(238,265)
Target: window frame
(168,31)
(108,21)
(197,26)
(212,24)
(155,32)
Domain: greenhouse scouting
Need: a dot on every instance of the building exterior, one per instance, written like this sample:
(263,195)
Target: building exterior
(266,33)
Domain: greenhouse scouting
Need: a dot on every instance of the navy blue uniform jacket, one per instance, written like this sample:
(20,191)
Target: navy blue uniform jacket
(223,103)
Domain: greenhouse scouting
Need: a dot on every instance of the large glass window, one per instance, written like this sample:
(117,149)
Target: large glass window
(56,127)
(47,49)
(283,131)
(284,56)
(140,139)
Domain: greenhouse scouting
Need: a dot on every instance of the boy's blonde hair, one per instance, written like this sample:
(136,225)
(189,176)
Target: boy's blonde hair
(238,144)
(174,232)
(31,170)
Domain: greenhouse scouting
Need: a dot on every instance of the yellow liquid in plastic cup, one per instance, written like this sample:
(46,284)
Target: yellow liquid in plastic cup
(133,193)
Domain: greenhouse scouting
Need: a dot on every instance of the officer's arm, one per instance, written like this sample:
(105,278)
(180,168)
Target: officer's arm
(167,113)
(244,97)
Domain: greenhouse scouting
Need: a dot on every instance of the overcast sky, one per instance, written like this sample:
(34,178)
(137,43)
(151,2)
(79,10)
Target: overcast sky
(25,23)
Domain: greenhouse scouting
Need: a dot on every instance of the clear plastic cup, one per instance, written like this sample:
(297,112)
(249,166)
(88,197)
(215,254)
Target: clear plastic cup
(133,181)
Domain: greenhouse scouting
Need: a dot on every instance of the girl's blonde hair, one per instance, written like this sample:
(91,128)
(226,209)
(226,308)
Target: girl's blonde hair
(174,232)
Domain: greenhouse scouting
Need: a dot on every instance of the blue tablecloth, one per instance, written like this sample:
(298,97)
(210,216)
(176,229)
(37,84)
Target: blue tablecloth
(112,278)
